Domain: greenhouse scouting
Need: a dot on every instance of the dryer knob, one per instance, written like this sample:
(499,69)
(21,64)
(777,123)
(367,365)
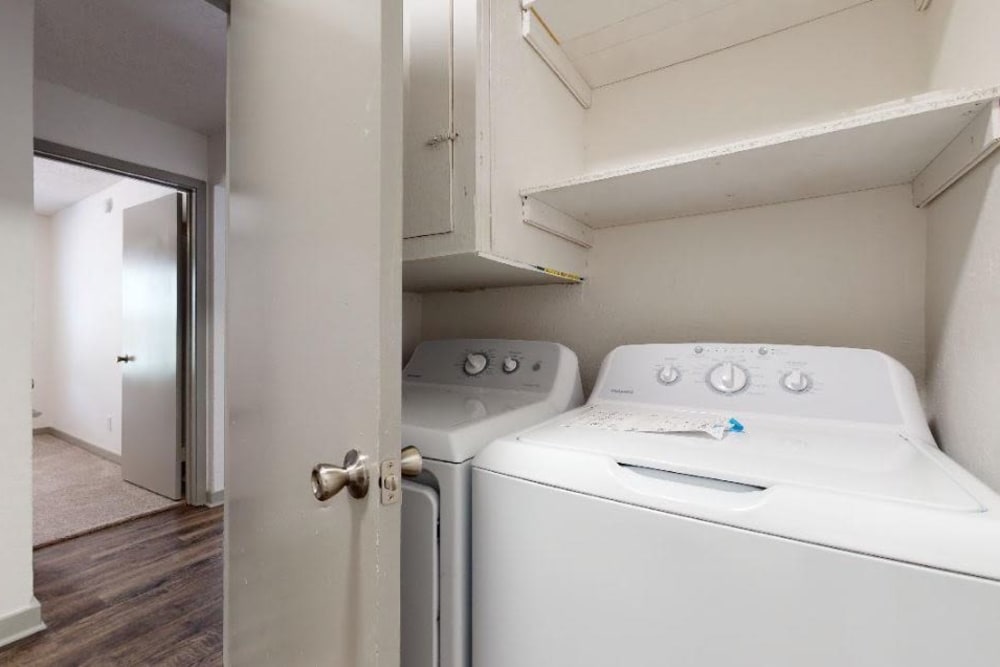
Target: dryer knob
(476,363)
(668,375)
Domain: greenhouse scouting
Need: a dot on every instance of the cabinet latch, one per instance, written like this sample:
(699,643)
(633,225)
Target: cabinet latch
(442,139)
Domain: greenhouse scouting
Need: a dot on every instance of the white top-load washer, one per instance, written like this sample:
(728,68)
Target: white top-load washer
(458,395)
(831,531)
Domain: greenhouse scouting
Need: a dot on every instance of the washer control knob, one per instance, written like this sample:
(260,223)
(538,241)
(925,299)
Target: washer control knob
(728,378)
(476,363)
(796,381)
(510,364)
(668,375)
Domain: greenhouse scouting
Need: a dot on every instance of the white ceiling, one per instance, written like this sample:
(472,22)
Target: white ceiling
(61,184)
(163,58)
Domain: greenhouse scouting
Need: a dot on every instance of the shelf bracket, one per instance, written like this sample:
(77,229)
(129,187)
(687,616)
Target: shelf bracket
(974,143)
(545,45)
(542,216)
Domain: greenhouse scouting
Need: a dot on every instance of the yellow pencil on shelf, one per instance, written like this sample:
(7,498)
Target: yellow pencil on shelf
(560,274)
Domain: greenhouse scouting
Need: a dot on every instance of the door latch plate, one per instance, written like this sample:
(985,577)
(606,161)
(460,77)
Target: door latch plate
(389,482)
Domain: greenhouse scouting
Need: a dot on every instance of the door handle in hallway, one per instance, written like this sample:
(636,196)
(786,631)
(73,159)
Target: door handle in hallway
(125,358)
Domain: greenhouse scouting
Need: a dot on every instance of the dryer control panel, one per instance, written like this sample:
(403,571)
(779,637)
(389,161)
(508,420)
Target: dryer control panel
(490,363)
(790,380)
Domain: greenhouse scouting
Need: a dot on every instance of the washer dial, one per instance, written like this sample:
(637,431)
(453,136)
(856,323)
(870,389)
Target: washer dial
(475,363)
(728,378)
(510,364)
(796,382)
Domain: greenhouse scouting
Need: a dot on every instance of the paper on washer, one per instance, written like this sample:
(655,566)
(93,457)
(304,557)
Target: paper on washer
(641,419)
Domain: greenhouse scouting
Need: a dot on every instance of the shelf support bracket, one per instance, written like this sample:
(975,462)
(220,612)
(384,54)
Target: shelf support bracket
(974,143)
(542,216)
(545,45)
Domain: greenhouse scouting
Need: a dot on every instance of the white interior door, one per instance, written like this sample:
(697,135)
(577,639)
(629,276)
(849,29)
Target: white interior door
(151,426)
(313,329)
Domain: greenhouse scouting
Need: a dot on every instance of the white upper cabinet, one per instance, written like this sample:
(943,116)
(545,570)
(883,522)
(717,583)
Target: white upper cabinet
(482,115)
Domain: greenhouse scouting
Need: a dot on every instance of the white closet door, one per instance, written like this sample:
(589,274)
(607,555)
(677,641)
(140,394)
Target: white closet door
(313,330)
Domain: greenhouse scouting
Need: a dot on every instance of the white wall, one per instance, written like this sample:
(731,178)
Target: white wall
(85,382)
(962,43)
(963,279)
(19,613)
(73,119)
(41,341)
(963,309)
(845,270)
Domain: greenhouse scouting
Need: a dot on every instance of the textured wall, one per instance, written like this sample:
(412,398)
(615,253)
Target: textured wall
(963,257)
(963,315)
(845,270)
(962,44)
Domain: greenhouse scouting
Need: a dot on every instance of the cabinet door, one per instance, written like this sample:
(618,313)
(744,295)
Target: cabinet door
(428,129)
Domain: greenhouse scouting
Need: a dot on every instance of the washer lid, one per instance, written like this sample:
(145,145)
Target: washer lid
(873,491)
(864,461)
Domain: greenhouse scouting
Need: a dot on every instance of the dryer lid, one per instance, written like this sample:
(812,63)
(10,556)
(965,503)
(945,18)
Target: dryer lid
(446,408)
(872,462)
(452,424)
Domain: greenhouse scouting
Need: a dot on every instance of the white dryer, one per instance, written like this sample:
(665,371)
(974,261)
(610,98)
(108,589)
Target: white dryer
(458,395)
(830,532)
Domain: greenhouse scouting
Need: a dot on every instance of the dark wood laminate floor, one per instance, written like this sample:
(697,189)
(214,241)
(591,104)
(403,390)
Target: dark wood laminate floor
(148,592)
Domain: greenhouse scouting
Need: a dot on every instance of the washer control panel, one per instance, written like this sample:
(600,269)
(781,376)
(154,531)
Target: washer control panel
(495,364)
(798,381)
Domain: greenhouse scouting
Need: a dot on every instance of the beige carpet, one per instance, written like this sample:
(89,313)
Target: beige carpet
(78,492)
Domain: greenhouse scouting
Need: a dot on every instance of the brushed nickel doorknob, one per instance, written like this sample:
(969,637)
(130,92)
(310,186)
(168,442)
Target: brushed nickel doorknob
(328,480)
(411,462)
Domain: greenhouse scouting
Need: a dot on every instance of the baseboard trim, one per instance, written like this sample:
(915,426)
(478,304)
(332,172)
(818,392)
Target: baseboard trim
(82,444)
(215,498)
(21,623)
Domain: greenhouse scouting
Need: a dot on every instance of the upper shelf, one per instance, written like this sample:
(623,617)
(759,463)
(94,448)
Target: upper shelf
(937,137)
(606,42)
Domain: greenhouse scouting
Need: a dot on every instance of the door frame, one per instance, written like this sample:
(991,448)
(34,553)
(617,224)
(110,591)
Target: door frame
(196,316)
